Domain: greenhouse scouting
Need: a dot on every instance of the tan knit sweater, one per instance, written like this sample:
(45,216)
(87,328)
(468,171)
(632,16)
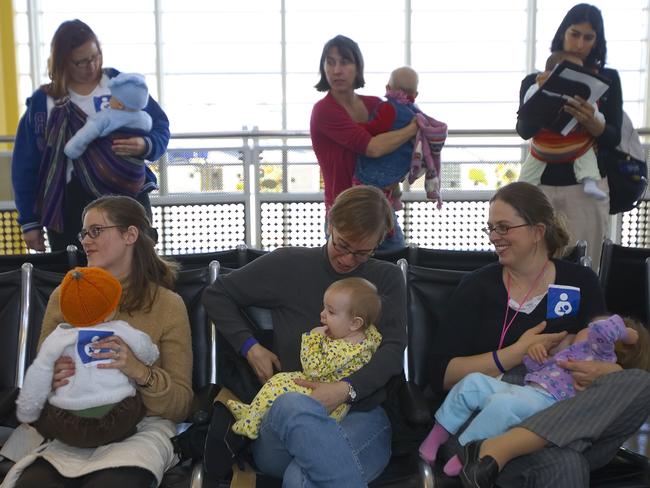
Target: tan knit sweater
(168,326)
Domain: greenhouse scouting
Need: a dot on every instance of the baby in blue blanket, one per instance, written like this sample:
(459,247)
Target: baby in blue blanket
(129,96)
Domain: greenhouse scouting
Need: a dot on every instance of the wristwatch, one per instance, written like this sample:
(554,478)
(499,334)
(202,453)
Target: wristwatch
(352,393)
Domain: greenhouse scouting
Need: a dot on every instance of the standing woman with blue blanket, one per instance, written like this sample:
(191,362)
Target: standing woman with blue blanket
(52,190)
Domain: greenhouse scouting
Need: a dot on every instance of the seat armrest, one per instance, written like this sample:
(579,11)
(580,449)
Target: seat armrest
(633,458)
(7,403)
(202,404)
(414,405)
(626,469)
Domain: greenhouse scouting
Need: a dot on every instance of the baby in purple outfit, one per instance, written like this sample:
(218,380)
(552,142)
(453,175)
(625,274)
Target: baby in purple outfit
(503,405)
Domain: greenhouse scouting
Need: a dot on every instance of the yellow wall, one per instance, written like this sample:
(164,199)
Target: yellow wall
(9,74)
(10,241)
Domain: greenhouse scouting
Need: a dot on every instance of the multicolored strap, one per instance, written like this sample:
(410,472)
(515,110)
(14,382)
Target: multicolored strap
(99,170)
(551,147)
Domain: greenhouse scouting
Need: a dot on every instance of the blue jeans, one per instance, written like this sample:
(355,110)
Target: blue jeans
(396,241)
(501,405)
(301,444)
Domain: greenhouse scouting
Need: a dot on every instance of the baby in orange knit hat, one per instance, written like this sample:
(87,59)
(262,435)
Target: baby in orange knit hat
(97,406)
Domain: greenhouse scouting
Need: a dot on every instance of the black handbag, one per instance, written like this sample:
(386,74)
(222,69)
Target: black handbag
(627,171)
(628,180)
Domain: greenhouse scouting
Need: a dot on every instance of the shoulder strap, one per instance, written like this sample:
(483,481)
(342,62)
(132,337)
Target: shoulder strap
(630,141)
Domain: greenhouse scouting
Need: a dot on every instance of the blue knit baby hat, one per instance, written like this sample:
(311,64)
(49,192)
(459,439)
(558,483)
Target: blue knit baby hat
(130,89)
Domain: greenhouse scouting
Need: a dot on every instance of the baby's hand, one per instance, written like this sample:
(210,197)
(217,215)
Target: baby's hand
(542,77)
(319,330)
(632,336)
(538,352)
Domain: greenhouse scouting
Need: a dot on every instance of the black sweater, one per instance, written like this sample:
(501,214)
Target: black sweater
(474,318)
(610,105)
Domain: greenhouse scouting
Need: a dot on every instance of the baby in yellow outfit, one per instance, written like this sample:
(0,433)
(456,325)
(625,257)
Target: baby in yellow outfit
(344,343)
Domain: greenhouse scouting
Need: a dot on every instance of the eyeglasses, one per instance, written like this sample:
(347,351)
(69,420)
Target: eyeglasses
(358,255)
(501,229)
(84,63)
(94,231)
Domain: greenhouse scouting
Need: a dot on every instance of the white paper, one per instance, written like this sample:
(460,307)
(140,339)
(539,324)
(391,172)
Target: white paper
(596,90)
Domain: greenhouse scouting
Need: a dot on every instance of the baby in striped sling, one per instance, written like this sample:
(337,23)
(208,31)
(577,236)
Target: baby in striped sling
(549,147)
(129,96)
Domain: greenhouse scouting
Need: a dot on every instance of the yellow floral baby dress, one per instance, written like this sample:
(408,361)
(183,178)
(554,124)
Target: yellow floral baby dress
(323,359)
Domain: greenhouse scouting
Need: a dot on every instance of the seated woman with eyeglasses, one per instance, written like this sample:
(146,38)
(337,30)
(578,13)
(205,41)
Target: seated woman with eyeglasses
(117,236)
(297,430)
(530,296)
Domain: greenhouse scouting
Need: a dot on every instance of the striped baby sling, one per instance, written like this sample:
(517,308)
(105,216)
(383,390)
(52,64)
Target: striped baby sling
(99,170)
(552,147)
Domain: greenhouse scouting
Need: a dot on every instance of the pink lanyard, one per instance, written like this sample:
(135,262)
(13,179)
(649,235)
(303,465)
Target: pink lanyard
(506,325)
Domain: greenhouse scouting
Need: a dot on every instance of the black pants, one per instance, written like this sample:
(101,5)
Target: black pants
(74,202)
(41,474)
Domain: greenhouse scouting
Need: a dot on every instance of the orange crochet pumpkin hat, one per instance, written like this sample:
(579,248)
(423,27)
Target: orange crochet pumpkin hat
(88,296)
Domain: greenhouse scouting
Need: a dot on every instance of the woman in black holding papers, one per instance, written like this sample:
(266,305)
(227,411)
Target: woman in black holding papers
(582,34)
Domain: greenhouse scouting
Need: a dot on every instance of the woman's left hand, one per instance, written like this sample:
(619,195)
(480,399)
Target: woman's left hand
(584,113)
(133,146)
(586,372)
(121,355)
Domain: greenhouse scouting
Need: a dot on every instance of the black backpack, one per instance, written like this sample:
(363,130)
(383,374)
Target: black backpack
(627,170)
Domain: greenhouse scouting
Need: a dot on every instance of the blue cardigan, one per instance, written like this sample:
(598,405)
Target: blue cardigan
(30,143)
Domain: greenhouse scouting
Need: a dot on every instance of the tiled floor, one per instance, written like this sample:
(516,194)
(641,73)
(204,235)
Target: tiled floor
(640,442)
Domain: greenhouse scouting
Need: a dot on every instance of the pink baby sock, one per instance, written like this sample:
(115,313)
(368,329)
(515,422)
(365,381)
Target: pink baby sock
(453,466)
(429,448)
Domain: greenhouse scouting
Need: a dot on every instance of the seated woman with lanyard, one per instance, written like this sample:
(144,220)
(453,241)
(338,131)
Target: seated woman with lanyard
(498,311)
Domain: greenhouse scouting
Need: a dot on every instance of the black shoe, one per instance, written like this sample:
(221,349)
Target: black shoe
(478,473)
(223,448)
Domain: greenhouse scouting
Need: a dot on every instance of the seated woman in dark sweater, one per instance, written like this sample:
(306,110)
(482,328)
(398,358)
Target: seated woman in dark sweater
(291,282)
(500,310)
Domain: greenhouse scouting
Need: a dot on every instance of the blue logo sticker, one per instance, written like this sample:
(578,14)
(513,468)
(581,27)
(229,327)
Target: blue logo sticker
(85,348)
(562,301)
(101,102)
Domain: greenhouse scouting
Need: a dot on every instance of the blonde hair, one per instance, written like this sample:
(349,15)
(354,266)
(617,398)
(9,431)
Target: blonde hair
(405,79)
(361,212)
(364,299)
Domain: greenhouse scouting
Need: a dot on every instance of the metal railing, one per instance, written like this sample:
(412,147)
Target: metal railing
(253,187)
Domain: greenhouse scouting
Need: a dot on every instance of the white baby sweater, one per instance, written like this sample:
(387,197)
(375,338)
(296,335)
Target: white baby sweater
(88,387)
